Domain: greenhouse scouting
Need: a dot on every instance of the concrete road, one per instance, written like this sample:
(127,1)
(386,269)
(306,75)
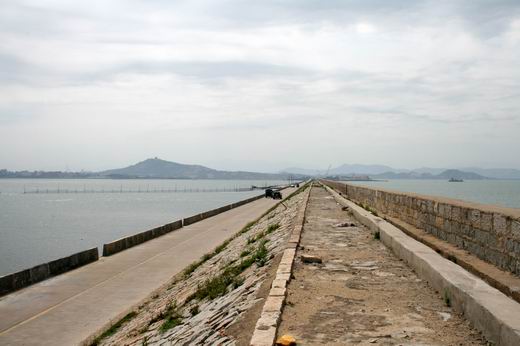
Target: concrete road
(67,309)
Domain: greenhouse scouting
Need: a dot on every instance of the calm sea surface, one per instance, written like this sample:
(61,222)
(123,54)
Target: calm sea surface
(36,228)
(505,193)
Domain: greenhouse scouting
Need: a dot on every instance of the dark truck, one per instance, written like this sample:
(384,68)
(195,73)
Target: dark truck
(274,194)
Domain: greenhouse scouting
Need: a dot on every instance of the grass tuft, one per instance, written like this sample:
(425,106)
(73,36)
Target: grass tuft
(172,318)
(114,328)
(194,310)
(218,285)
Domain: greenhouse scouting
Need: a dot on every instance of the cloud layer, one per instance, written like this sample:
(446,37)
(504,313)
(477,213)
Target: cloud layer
(263,86)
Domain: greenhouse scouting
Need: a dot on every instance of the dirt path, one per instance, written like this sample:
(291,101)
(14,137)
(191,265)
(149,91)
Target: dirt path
(362,293)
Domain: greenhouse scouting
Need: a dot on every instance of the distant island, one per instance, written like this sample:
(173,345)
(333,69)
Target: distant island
(155,168)
(378,172)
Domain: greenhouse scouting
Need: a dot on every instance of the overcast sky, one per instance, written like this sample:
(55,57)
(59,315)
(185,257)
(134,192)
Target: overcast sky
(259,85)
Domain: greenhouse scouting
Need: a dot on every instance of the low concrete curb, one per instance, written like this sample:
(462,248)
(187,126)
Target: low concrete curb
(489,310)
(122,244)
(13,282)
(267,325)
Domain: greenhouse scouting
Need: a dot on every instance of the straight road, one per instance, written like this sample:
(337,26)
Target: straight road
(67,309)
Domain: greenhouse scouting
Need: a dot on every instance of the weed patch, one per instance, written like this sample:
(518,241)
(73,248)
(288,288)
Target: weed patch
(115,327)
(218,286)
(377,235)
(194,310)
(172,318)
(272,228)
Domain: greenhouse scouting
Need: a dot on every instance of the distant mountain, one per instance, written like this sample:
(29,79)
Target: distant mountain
(444,175)
(387,172)
(456,174)
(157,168)
(349,169)
(346,170)
(429,170)
(497,173)
(302,171)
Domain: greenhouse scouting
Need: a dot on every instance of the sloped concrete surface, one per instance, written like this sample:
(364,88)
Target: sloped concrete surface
(67,309)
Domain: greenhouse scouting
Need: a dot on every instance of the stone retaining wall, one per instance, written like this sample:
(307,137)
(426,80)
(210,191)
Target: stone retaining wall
(27,277)
(490,233)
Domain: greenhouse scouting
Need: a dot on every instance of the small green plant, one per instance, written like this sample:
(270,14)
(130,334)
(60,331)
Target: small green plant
(194,310)
(221,247)
(247,227)
(377,235)
(218,285)
(114,328)
(261,253)
(272,228)
(172,318)
(447,298)
(237,282)
(245,253)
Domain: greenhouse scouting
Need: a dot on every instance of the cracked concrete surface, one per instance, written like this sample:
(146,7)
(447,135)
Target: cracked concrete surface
(361,293)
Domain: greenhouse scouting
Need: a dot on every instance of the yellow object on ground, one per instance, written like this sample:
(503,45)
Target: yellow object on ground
(286,340)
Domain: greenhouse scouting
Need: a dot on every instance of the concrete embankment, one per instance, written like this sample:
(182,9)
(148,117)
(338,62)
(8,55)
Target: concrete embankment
(136,239)
(15,281)
(67,309)
(12,282)
(218,299)
(491,233)
(488,310)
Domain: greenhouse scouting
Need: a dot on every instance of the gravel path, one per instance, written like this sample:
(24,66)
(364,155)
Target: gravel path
(361,293)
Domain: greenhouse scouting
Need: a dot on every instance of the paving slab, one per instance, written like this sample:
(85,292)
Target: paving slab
(362,293)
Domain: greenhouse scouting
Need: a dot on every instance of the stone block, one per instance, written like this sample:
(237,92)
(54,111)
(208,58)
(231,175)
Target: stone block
(279,283)
(456,214)
(439,222)
(474,218)
(446,227)
(515,229)
(455,228)
(310,259)
(459,241)
(486,221)
(284,268)
(447,211)
(430,205)
(481,236)
(499,224)
(441,209)
(278,291)
(288,256)
(263,337)
(452,238)
(273,304)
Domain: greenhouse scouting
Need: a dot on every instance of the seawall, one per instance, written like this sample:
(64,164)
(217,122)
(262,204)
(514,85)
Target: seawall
(488,232)
(27,277)
(15,281)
